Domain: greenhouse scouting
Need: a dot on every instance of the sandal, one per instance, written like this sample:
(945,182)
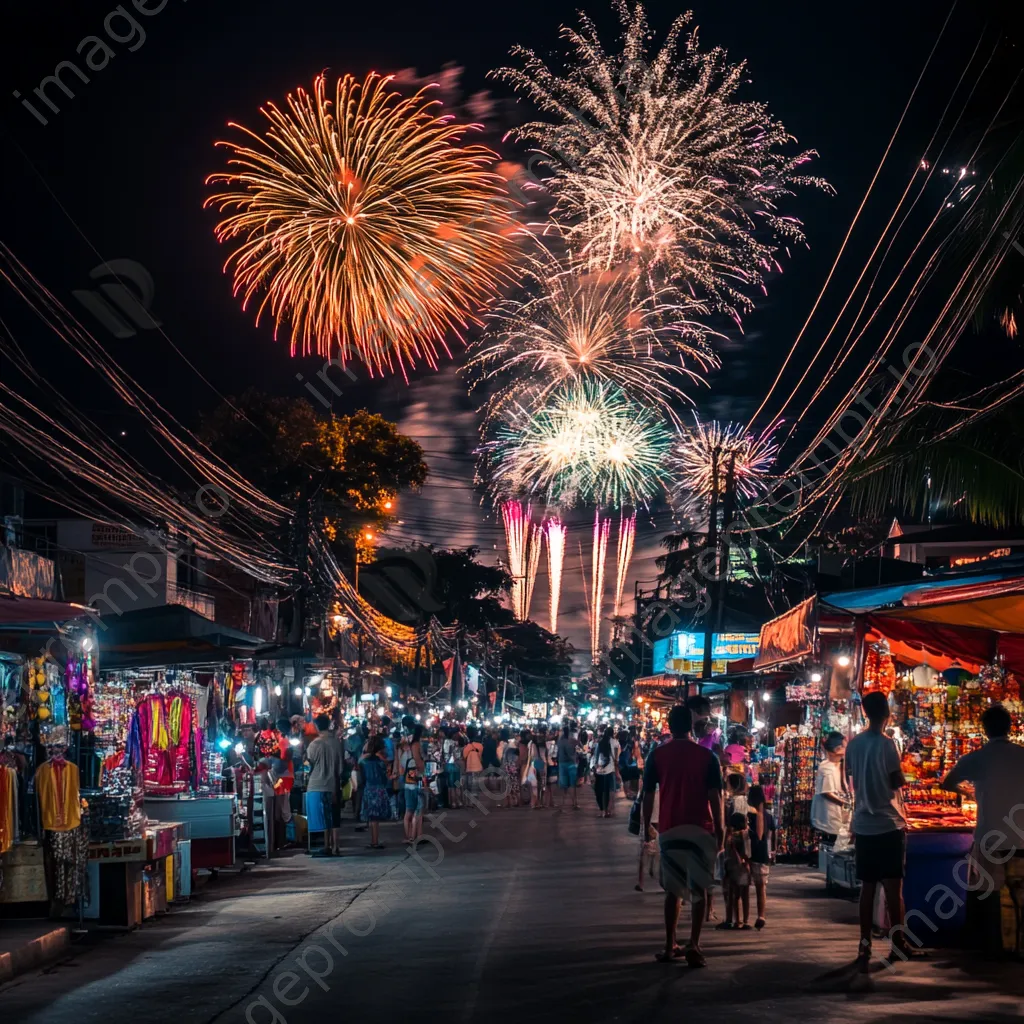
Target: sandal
(759,923)
(695,958)
(725,926)
(639,888)
(745,928)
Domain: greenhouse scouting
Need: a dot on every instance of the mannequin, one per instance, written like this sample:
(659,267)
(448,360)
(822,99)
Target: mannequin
(67,840)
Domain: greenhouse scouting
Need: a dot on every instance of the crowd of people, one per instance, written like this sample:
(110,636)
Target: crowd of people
(702,822)
(392,771)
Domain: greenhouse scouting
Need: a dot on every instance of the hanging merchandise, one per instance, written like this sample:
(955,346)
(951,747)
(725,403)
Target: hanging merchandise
(796,791)
(8,808)
(56,786)
(879,669)
(78,675)
(69,855)
(165,742)
(235,682)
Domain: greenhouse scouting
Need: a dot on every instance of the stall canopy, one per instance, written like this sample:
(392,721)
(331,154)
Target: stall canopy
(788,637)
(971,619)
(169,635)
(21,613)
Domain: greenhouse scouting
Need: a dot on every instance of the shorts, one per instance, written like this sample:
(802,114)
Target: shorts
(881,857)
(567,776)
(415,798)
(322,812)
(453,773)
(760,872)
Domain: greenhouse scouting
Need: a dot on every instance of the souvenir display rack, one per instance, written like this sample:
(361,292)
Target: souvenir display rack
(797,758)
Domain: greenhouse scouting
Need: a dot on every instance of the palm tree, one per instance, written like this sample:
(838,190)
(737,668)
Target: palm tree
(975,473)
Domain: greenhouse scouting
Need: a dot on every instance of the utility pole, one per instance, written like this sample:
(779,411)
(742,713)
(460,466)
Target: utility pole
(712,545)
(729,510)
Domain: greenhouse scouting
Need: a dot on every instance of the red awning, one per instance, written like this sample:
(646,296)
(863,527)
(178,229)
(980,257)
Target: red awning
(27,611)
(973,647)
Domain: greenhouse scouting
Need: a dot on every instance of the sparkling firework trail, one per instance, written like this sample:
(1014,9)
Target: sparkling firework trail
(655,162)
(555,532)
(586,443)
(624,555)
(369,225)
(601,530)
(534,544)
(517,533)
(568,324)
(698,448)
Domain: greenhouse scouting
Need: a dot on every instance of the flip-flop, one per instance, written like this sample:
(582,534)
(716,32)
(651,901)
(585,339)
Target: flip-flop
(665,958)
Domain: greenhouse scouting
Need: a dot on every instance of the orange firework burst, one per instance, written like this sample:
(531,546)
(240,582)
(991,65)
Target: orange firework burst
(365,223)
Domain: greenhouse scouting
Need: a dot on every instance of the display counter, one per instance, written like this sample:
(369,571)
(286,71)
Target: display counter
(212,821)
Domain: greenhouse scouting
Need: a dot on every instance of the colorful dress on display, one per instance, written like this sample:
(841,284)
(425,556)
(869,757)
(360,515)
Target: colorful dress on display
(57,788)
(163,740)
(8,808)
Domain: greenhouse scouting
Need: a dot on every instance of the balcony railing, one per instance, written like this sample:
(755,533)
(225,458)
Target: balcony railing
(201,604)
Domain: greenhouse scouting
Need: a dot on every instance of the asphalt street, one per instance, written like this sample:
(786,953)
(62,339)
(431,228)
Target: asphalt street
(528,914)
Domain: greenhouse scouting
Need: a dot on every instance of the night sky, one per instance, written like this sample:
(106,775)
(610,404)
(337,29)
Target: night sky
(118,173)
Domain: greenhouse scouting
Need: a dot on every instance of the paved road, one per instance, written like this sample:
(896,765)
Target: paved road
(531,915)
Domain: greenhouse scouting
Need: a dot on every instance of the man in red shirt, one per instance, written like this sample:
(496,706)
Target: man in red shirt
(690,825)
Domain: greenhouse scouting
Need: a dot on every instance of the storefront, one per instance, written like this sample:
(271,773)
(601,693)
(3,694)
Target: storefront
(942,650)
(47,676)
(173,688)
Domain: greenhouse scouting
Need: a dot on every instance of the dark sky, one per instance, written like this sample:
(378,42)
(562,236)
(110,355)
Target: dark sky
(118,173)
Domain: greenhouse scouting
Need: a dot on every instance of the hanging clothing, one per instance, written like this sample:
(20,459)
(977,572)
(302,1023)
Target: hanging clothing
(163,740)
(8,808)
(69,855)
(57,787)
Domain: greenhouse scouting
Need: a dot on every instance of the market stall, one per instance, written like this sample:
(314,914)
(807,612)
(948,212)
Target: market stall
(942,650)
(172,688)
(47,665)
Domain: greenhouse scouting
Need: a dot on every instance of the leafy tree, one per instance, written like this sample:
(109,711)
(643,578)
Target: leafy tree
(351,467)
(543,659)
(469,591)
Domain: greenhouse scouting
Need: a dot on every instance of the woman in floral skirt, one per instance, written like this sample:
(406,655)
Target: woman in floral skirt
(510,766)
(376,790)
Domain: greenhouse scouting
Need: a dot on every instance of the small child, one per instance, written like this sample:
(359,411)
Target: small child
(737,870)
(735,795)
(648,847)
